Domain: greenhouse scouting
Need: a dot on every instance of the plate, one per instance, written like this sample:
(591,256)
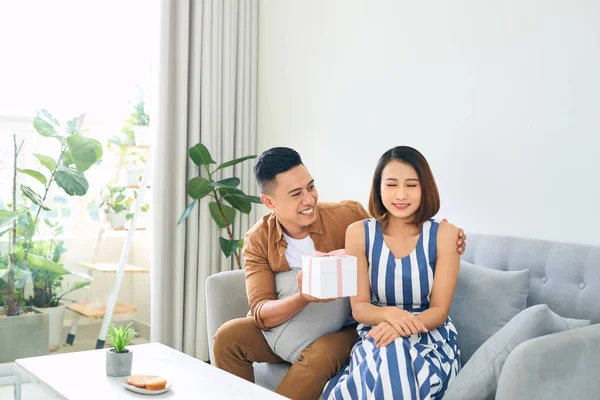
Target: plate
(146,391)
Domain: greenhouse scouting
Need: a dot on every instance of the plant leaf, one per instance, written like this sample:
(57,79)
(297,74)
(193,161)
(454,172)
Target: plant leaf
(200,155)
(187,212)
(25,225)
(216,214)
(241,243)
(47,162)
(236,198)
(45,264)
(4,272)
(67,159)
(46,124)
(71,181)
(254,199)
(34,174)
(198,187)
(7,217)
(228,247)
(233,162)
(229,182)
(84,151)
(34,197)
(74,125)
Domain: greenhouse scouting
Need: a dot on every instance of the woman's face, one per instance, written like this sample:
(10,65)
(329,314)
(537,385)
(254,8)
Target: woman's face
(400,189)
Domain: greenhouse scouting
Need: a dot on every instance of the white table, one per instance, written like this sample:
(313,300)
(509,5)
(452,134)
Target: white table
(82,375)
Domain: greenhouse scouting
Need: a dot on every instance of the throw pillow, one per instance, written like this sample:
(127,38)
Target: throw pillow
(479,377)
(484,301)
(317,319)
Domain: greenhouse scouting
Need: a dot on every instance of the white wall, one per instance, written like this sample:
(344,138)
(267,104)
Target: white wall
(502,98)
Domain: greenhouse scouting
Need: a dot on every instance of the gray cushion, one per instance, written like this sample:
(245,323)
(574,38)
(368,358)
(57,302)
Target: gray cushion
(270,375)
(484,301)
(317,319)
(479,377)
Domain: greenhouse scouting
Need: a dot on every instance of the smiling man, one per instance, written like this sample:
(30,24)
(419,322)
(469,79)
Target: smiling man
(297,225)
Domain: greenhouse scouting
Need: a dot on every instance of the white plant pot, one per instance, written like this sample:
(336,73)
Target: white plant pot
(133,177)
(143,135)
(56,317)
(23,336)
(117,220)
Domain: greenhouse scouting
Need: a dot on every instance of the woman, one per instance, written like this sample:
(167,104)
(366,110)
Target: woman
(407,273)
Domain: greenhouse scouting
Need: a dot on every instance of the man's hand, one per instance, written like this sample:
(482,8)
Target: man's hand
(404,322)
(307,297)
(383,334)
(462,239)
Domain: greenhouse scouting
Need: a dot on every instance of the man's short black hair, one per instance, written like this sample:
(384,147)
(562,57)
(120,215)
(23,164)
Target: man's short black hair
(272,162)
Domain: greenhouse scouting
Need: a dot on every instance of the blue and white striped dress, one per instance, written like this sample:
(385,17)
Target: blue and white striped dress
(417,367)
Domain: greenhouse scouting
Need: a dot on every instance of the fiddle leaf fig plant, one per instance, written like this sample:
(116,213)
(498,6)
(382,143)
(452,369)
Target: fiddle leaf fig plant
(77,154)
(221,191)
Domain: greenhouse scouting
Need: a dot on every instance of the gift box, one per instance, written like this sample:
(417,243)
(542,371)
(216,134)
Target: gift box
(327,276)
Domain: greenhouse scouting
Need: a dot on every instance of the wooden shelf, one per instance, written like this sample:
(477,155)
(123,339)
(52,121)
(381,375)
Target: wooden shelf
(136,187)
(130,186)
(111,267)
(97,309)
(126,229)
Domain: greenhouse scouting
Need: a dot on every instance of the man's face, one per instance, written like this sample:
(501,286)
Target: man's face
(293,199)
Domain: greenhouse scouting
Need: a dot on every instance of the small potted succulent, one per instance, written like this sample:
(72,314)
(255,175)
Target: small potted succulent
(119,359)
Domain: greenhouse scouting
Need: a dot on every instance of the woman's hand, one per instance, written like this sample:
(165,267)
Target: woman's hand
(383,334)
(404,322)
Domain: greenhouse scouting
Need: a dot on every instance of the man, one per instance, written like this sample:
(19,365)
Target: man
(296,226)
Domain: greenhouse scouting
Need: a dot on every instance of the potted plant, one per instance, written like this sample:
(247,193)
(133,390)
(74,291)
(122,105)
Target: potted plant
(134,164)
(135,129)
(48,292)
(221,191)
(19,337)
(141,121)
(119,359)
(116,204)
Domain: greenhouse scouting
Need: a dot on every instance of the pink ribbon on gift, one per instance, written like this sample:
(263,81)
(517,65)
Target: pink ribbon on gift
(339,276)
(338,269)
(310,276)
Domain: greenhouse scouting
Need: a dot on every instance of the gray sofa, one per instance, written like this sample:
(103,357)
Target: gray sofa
(565,276)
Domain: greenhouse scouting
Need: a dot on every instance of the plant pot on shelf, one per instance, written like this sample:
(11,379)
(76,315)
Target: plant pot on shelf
(133,177)
(142,134)
(119,364)
(56,316)
(117,220)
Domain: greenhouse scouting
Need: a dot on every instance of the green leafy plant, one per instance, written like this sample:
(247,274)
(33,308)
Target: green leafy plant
(77,154)
(137,117)
(48,284)
(120,336)
(221,191)
(116,198)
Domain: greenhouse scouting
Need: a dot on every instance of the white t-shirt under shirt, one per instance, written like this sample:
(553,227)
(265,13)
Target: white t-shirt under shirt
(297,248)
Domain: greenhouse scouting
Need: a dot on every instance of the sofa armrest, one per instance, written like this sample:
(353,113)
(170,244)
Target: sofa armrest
(225,300)
(559,366)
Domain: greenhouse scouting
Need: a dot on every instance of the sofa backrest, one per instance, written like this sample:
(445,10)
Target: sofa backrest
(563,275)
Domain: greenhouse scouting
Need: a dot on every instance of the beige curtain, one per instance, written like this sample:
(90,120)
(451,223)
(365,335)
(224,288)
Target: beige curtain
(207,94)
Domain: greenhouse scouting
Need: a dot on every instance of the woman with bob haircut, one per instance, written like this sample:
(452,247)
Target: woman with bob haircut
(407,273)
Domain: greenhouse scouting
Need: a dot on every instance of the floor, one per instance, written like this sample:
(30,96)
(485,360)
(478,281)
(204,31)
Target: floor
(32,392)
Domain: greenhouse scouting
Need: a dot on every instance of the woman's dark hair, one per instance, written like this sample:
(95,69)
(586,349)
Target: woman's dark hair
(273,162)
(430,197)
